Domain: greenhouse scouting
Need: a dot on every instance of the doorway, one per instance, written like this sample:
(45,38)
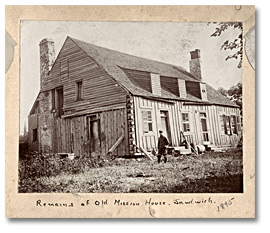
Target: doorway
(94,134)
(204,127)
(165,126)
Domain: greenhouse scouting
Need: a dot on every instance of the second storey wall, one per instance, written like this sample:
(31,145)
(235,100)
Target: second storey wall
(99,90)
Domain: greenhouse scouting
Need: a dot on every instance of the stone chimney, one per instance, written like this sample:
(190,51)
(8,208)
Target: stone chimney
(47,57)
(195,64)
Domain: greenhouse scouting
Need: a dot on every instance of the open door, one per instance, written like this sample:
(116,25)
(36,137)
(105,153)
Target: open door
(165,126)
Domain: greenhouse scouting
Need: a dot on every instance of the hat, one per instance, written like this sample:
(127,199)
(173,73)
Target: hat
(160,131)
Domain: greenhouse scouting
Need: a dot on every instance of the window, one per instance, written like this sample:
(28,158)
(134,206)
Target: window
(35,135)
(233,125)
(79,91)
(59,102)
(238,124)
(53,99)
(185,120)
(229,124)
(223,125)
(147,121)
(204,126)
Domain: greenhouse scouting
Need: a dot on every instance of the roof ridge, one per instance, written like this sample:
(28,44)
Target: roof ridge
(179,68)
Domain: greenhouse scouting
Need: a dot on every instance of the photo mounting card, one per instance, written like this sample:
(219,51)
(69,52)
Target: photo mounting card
(130,112)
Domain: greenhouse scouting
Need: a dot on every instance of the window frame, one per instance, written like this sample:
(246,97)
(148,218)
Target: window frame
(147,121)
(35,134)
(79,89)
(186,122)
(230,124)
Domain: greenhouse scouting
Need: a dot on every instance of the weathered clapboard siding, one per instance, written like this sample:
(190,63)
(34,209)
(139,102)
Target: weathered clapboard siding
(175,110)
(99,89)
(71,135)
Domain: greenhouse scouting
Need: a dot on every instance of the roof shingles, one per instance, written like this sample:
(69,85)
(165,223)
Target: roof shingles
(113,61)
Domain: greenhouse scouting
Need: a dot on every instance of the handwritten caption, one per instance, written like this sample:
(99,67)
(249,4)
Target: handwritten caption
(226,204)
(148,202)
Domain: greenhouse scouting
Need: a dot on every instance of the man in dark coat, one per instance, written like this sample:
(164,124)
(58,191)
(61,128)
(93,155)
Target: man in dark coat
(162,143)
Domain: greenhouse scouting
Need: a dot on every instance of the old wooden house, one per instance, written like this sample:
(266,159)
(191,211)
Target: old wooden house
(94,100)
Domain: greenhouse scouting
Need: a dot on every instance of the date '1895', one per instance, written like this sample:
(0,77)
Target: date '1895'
(225,205)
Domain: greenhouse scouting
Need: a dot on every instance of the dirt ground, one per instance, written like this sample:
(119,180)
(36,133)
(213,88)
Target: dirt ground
(207,173)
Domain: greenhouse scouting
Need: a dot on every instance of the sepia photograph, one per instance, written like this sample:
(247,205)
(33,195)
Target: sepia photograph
(130,107)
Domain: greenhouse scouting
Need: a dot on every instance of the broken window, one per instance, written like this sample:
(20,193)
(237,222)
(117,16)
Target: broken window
(185,120)
(79,91)
(147,121)
(35,135)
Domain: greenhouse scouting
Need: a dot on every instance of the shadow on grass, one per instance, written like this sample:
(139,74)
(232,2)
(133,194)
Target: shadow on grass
(224,184)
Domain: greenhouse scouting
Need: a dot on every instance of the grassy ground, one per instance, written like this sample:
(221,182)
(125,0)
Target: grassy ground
(207,173)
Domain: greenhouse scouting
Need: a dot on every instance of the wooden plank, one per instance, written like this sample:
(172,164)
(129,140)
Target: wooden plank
(116,144)
(148,155)
(106,116)
(102,129)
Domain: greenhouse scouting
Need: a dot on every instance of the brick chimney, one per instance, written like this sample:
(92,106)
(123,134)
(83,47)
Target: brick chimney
(47,57)
(195,64)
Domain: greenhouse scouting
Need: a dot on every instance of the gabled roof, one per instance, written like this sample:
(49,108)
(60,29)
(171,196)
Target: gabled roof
(114,63)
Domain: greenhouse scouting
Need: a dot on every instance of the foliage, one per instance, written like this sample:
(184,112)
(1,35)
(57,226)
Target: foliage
(236,44)
(234,94)
(209,172)
(36,166)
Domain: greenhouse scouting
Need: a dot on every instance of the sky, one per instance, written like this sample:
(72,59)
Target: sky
(168,42)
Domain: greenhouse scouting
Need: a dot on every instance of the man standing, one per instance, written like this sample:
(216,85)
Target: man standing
(162,143)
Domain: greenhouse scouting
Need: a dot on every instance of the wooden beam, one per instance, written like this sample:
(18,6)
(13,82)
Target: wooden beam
(146,153)
(116,144)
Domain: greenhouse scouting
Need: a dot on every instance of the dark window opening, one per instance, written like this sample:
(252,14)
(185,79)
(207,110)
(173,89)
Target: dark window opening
(53,99)
(59,102)
(79,91)
(35,135)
